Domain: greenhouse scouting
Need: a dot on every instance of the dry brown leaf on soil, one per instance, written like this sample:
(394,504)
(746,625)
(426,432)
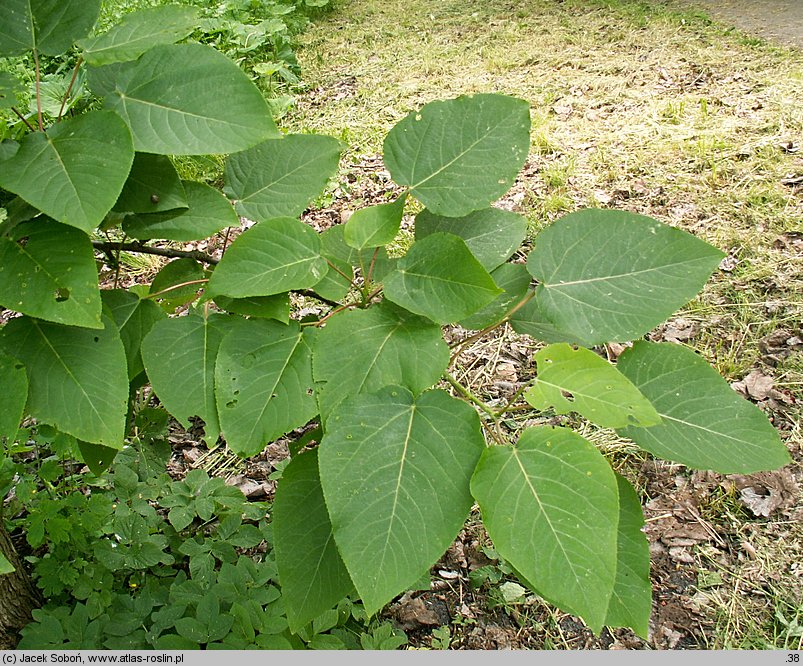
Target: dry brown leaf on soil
(766,492)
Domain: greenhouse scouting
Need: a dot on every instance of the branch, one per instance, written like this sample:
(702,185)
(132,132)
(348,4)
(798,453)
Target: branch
(107,247)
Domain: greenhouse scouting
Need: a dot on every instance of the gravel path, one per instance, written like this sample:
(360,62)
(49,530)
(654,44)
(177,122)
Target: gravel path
(777,20)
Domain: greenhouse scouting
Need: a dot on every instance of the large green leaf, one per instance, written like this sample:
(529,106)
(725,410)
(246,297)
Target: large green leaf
(208,212)
(531,320)
(75,171)
(50,26)
(188,99)
(179,356)
(312,573)
(395,472)
(376,225)
(439,278)
(52,275)
(137,32)
(551,506)
(704,423)
(459,155)
(271,257)
(263,383)
(279,178)
(270,307)
(610,275)
(387,346)
(514,280)
(77,377)
(492,234)
(13,395)
(578,380)
(134,318)
(631,601)
(153,186)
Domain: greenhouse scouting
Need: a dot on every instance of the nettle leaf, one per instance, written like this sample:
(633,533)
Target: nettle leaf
(263,383)
(153,186)
(51,274)
(134,318)
(188,99)
(459,155)
(137,32)
(73,172)
(278,178)
(395,471)
(597,287)
(77,377)
(272,257)
(492,234)
(551,506)
(208,212)
(390,346)
(375,225)
(269,307)
(439,278)
(631,601)
(313,575)
(13,395)
(50,26)
(705,424)
(179,356)
(514,280)
(578,380)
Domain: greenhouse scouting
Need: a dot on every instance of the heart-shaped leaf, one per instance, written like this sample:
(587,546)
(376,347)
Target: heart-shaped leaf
(137,32)
(390,346)
(80,166)
(271,257)
(577,380)
(395,472)
(153,186)
(164,97)
(439,278)
(376,225)
(631,601)
(179,356)
(705,424)
(551,506)
(459,155)
(263,383)
(207,213)
(278,178)
(77,377)
(52,275)
(13,395)
(313,575)
(596,288)
(492,234)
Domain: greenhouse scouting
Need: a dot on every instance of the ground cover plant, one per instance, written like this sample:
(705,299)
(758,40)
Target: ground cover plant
(391,462)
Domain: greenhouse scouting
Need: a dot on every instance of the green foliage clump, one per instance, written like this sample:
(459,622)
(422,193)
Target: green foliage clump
(370,502)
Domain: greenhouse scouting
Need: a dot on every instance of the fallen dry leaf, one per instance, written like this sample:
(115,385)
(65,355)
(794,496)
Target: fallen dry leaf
(766,492)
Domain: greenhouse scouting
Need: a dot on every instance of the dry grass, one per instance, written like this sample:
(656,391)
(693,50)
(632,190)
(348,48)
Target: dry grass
(641,106)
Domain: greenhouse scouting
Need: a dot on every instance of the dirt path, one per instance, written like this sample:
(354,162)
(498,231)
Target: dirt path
(777,20)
